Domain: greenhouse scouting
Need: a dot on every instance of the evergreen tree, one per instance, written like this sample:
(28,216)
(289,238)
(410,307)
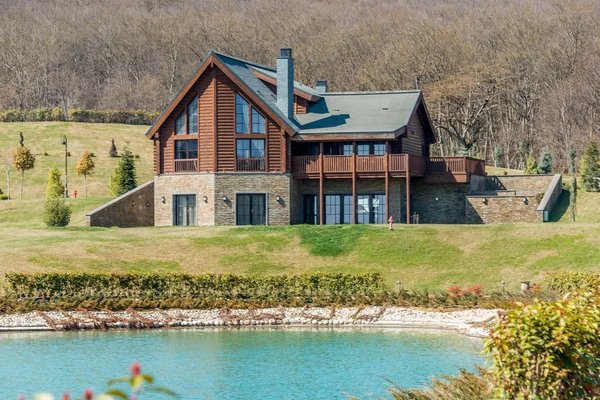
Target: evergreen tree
(123,179)
(85,167)
(498,154)
(545,166)
(573,172)
(590,169)
(57,212)
(113,149)
(532,166)
(55,188)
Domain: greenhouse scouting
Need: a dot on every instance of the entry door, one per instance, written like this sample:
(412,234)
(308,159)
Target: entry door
(251,209)
(184,210)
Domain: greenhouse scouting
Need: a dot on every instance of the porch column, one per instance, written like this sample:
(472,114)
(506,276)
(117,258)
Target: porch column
(354,204)
(321,195)
(407,161)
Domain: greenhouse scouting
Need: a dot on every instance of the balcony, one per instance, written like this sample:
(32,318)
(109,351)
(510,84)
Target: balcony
(186,165)
(250,164)
(433,169)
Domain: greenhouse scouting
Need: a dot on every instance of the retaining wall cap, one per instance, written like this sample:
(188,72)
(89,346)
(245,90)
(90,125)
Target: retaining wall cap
(556,180)
(103,206)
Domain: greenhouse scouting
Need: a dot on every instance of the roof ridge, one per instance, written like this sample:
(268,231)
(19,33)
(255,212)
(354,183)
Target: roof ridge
(370,93)
(250,63)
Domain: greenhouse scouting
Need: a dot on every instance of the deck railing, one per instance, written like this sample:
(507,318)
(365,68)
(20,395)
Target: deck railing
(188,165)
(395,163)
(250,164)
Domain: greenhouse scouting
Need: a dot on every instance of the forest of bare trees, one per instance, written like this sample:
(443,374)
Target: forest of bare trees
(503,79)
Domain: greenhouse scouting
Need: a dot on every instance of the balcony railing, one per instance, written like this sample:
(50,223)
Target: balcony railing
(188,165)
(250,164)
(395,163)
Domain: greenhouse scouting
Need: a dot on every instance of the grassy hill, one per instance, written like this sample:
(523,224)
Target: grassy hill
(425,256)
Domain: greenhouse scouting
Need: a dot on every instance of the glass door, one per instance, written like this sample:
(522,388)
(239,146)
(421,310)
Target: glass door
(184,210)
(251,209)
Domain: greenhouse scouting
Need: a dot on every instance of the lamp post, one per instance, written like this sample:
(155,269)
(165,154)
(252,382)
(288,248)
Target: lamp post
(65,143)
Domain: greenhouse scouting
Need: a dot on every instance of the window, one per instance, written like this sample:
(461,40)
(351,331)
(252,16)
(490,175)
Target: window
(258,122)
(371,209)
(184,210)
(347,149)
(180,124)
(242,117)
(186,149)
(311,209)
(375,148)
(251,209)
(379,148)
(362,149)
(338,209)
(250,148)
(192,111)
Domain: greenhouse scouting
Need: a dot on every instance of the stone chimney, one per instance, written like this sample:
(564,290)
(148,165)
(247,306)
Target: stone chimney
(285,83)
(321,86)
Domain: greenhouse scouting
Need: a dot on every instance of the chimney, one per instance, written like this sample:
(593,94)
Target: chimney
(285,83)
(321,86)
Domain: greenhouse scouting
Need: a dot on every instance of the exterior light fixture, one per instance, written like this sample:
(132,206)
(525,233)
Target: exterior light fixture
(205,199)
(132,203)
(224,198)
(525,200)
(484,200)
(278,198)
(437,198)
(163,200)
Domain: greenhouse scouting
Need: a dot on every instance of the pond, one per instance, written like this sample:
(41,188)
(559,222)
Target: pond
(263,363)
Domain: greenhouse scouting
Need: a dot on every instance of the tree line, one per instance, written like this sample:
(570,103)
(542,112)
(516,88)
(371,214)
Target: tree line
(504,80)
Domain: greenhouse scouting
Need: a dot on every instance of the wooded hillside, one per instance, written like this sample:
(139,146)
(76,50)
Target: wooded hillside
(503,79)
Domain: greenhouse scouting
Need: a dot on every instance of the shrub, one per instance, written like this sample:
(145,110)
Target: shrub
(57,212)
(55,188)
(113,149)
(45,153)
(68,154)
(3,197)
(455,291)
(547,350)
(92,154)
(571,281)
(136,156)
(476,290)
(545,165)
(504,172)
(532,166)
(137,117)
(590,168)
(539,197)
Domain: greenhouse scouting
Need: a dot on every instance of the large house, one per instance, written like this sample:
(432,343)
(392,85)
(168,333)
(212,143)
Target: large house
(245,144)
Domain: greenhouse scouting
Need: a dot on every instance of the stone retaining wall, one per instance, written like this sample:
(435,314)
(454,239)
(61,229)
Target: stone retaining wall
(134,208)
(500,209)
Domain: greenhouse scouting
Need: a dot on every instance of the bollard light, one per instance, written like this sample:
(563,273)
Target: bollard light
(502,284)
(398,285)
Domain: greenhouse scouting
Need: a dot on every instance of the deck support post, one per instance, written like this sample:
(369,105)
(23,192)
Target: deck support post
(407,161)
(386,161)
(321,194)
(354,199)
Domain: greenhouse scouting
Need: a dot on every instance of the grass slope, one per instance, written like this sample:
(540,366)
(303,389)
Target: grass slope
(47,137)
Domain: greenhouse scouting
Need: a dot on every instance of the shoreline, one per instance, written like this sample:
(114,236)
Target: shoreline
(474,322)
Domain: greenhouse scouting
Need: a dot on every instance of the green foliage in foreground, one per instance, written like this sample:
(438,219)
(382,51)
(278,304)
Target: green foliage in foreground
(57,213)
(571,281)
(135,117)
(548,350)
(124,177)
(590,168)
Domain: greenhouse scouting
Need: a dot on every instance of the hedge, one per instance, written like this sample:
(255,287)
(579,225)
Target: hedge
(572,281)
(133,117)
(155,285)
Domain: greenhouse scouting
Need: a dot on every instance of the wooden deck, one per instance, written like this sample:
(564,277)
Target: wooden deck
(433,169)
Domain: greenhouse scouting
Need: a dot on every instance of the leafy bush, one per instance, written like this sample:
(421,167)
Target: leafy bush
(572,281)
(57,212)
(590,168)
(532,166)
(547,350)
(3,197)
(137,117)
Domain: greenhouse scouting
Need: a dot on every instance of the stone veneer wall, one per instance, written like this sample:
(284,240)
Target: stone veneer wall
(449,207)
(501,209)
(522,184)
(271,184)
(202,184)
(134,208)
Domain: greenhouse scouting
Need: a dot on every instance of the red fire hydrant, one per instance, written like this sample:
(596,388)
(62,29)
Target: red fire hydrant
(74,194)
(391,221)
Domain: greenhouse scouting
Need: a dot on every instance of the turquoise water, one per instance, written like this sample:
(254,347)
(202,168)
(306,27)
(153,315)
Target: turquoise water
(275,363)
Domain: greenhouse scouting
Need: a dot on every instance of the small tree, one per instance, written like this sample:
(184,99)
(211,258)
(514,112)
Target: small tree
(498,154)
(123,179)
(573,172)
(545,166)
(57,212)
(113,149)
(590,169)
(23,161)
(85,167)
(532,166)
(55,188)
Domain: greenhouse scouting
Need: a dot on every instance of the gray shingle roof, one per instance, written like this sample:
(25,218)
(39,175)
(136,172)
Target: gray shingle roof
(365,112)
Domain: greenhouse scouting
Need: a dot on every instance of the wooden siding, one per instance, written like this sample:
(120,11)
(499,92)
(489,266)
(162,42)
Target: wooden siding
(225,123)
(274,146)
(413,142)
(206,121)
(300,105)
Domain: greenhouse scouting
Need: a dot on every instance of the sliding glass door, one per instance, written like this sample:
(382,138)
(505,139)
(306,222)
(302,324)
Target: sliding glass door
(371,209)
(184,210)
(338,209)
(251,209)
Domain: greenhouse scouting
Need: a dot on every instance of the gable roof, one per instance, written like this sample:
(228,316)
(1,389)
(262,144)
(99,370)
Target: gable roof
(241,72)
(360,112)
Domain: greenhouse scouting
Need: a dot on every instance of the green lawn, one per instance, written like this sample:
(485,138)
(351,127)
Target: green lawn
(425,256)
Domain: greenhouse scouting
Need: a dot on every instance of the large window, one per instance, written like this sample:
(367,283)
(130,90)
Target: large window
(338,209)
(180,124)
(374,148)
(192,111)
(370,209)
(347,149)
(250,148)
(251,209)
(184,210)
(311,209)
(247,117)
(186,149)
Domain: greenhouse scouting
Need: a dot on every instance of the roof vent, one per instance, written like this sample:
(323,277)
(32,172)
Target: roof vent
(384,108)
(321,86)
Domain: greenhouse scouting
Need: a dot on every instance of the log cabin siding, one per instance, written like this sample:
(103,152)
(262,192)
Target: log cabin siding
(274,145)
(300,105)
(206,122)
(414,143)
(225,123)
